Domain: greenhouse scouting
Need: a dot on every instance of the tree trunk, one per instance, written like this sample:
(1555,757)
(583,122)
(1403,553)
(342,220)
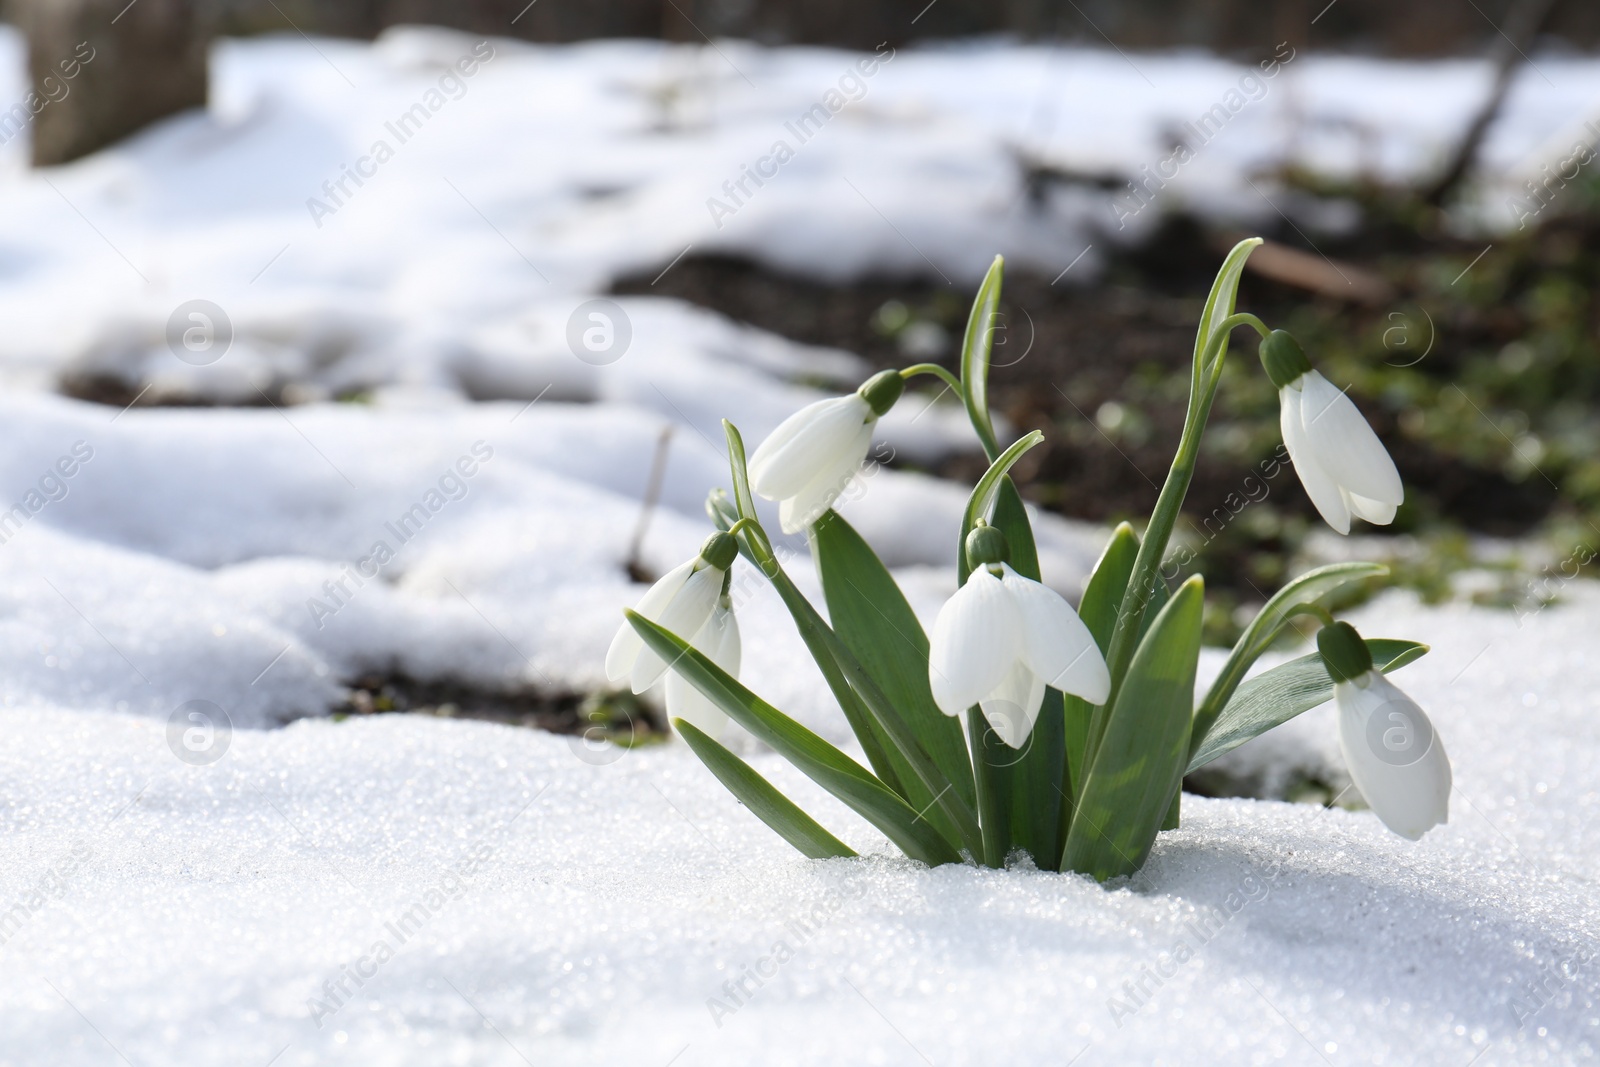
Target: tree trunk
(102,69)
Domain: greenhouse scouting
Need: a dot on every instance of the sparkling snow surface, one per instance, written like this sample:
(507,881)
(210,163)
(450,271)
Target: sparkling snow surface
(589,905)
(403,890)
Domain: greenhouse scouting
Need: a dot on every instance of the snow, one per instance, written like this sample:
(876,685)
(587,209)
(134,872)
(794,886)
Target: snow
(550,171)
(592,904)
(553,901)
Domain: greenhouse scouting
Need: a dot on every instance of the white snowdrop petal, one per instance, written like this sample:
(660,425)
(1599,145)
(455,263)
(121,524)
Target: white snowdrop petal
(1319,484)
(1344,443)
(686,702)
(684,615)
(719,640)
(1374,511)
(974,643)
(811,440)
(805,507)
(723,644)
(627,644)
(787,431)
(1056,645)
(1395,756)
(1013,707)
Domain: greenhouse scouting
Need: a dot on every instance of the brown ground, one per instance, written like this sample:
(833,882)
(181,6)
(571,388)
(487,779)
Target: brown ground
(1118,342)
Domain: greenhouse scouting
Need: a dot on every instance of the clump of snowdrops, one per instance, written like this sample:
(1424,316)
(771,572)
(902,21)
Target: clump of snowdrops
(1021,724)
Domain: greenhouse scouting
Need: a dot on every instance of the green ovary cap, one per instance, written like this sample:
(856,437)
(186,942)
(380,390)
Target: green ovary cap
(1283,359)
(882,390)
(985,546)
(720,550)
(1343,652)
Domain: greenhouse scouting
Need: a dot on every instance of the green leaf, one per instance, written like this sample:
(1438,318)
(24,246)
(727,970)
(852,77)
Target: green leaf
(765,802)
(1171,820)
(986,496)
(1154,601)
(871,616)
(818,760)
(976,346)
(1265,627)
(1138,765)
(741,473)
(1224,293)
(1102,596)
(720,510)
(1276,696)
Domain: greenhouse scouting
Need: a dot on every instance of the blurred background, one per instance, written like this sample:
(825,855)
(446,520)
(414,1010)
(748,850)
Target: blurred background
(1424,173)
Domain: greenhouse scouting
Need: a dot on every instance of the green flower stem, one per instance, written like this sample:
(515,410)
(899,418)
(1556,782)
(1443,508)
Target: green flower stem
(1322,615)
(935,370)
(1153,547)
(744,524)
(993,797)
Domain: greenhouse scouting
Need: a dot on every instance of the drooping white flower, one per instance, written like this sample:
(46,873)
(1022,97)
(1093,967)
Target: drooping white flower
(1395,756)
(1345,469)
(681,602)
(813,454)
(719,640)
(1002,639)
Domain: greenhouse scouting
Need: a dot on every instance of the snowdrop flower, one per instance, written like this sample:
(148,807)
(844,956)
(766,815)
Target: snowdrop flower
(684,601)
(1395,757)
(814,453)
(719,640)
(1003,638)
(1344,467)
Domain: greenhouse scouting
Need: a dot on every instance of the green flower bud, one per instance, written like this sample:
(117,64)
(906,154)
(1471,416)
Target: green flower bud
(882,390)
(986,545)
(1282,358)
(720,550)
(1343,652)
